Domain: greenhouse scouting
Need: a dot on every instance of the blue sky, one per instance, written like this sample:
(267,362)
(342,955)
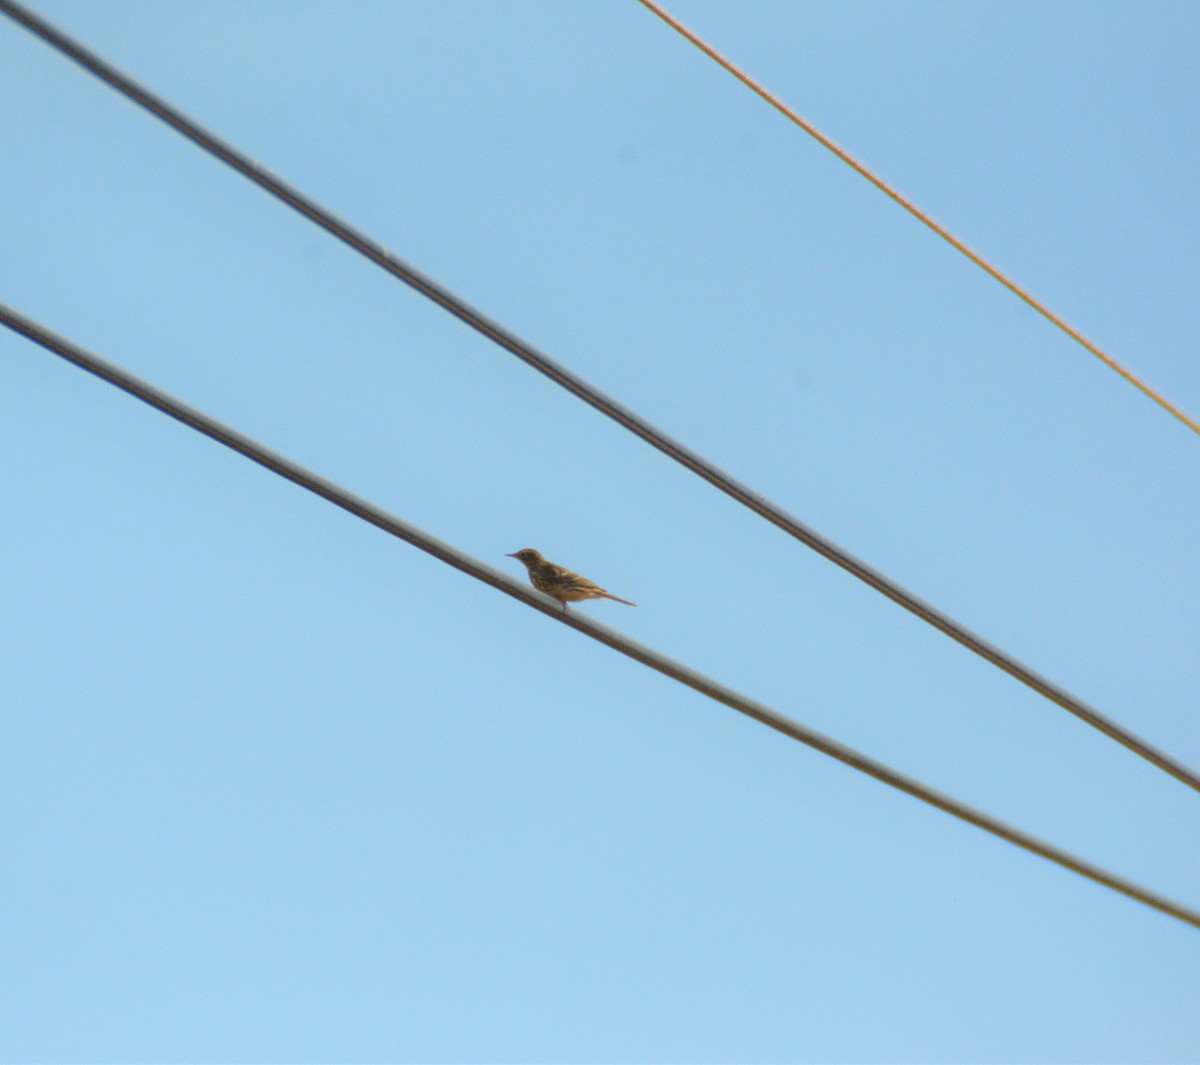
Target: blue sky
(279,787)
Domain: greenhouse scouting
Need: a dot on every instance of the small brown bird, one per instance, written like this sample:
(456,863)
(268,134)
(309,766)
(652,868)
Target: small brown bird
(559,583)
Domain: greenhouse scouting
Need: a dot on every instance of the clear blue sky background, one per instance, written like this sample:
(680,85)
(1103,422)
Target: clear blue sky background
(276,786)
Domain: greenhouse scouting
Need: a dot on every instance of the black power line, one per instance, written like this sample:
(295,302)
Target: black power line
(380,518)
(561,375)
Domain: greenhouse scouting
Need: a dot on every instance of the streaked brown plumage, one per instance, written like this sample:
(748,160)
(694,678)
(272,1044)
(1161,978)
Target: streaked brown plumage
(560,583)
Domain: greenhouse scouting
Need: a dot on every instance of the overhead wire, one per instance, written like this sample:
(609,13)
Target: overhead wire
(444,552)
(918,214)
(572,382)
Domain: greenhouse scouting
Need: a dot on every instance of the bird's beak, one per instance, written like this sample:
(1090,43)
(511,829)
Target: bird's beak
(512,555)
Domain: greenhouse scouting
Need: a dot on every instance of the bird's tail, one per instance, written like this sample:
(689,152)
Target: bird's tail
(609,595)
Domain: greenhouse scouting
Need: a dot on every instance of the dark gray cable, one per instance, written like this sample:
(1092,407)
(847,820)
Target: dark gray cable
(558,373)
(361,508)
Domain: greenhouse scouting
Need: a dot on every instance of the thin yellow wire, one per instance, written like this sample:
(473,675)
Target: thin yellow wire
(917,213)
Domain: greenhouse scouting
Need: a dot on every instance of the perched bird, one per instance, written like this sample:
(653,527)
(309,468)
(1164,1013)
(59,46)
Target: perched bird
(559,583)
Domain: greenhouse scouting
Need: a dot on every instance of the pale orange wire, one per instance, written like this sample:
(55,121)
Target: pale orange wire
(916,212)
